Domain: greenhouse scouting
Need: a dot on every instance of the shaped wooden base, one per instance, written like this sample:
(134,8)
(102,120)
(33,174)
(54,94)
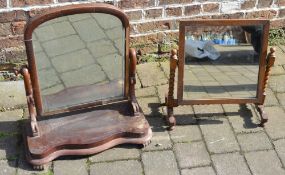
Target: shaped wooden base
(85,133)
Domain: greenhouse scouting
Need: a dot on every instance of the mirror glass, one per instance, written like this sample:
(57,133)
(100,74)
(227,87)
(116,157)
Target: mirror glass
(221,61)
(80,59)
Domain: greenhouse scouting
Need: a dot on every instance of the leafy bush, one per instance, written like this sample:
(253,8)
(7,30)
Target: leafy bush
(276,37)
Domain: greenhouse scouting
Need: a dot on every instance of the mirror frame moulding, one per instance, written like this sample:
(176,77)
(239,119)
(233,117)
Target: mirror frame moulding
(225,22)
(65,11)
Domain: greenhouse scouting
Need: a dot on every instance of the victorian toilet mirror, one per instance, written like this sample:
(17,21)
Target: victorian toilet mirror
(220,62)
(79,83)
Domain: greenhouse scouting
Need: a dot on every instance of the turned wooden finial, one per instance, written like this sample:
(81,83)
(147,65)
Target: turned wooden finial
(173,52)
(272,50)
(271,58)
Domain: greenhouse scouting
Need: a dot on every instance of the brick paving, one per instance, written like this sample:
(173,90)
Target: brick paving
(213,139)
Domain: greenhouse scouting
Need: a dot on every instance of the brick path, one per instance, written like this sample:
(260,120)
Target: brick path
(213,139)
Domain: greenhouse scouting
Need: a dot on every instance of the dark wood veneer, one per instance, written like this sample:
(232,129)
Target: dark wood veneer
(85,128)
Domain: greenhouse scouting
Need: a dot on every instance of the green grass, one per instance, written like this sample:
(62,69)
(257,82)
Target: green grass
(7,134)
(49,172)
(276,37)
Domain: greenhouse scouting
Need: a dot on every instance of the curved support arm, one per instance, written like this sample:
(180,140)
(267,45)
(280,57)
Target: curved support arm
(30,100)
(133,63)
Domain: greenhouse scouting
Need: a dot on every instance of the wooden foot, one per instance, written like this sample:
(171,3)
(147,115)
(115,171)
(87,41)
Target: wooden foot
(38,167)
(171,121)
(146,143)
(263,115)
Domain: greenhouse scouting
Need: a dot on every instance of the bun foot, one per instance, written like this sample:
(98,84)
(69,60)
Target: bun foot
(38,167)
(146,143)
(171,121)
(263,115)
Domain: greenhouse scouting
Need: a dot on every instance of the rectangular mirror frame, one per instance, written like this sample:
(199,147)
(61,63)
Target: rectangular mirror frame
(227,22)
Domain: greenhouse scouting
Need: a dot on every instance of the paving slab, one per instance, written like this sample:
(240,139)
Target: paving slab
(67,167)
(7,167)
(254,141)
(54,30)
(277,83)
(270,99)
(151,74)
(83,28)
(219,136)
(208,110)
(160,139)
(281,98)
(12,94)
(275,126)
(192,154)
(264,163)
(207,170)
(280,149)
(160,162)
(184,115)
(112,65)
(75,78)
(243,118)
(63,45)
(60,65)
(123,152)
(277,70)
(24,168)
(146,92)
(128,167)
(150,106)
(186,134)
(9,121)
(279,57)
(162,91)
(8,147)
(231,163)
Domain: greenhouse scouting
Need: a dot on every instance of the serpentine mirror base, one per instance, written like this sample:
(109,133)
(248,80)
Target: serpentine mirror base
(85,133)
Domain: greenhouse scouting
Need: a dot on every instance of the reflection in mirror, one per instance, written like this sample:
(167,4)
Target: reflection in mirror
(221,61)
(79,59)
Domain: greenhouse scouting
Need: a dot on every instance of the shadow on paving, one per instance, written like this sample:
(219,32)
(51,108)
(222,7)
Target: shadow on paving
(10,141)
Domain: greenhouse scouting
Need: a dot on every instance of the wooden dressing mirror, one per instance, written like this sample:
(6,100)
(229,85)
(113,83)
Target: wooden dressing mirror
(79,83)
(220,62)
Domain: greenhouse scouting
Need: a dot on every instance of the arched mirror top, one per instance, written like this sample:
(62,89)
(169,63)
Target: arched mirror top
(71,10)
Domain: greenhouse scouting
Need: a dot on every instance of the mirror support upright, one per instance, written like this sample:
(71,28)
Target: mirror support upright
(169,99)
(30,100)
(260,107)
(133,63)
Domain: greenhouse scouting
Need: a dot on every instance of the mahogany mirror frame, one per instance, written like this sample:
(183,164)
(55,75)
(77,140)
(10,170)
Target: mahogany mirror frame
(64,11)
(266,61)
(111,123)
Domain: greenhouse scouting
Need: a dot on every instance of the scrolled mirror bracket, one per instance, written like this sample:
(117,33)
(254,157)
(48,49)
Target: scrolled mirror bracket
(30,100)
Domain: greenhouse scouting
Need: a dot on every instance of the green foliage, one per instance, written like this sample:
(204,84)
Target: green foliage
(7,134)
(49,172)
(276,37)
(153,58)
